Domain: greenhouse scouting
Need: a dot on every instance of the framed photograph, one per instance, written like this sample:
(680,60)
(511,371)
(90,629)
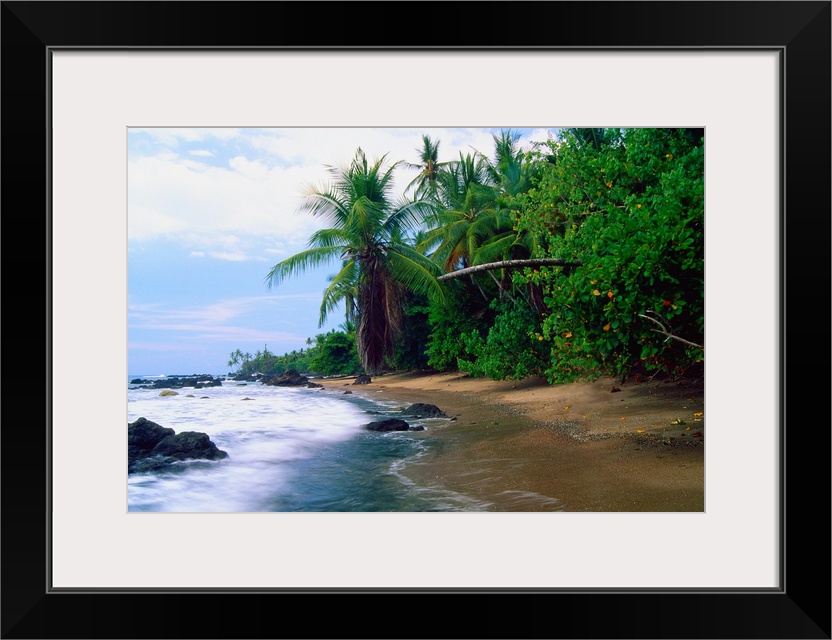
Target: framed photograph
(80,77)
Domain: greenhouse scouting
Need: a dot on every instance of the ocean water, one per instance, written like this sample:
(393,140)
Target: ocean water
(290,449)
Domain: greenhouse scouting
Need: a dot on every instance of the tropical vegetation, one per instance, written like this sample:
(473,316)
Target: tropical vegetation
(580,257)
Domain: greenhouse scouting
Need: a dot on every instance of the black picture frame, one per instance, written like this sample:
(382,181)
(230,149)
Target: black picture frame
(800,608)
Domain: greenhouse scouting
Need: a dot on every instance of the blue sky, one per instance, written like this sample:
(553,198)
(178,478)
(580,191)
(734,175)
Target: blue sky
(210,210)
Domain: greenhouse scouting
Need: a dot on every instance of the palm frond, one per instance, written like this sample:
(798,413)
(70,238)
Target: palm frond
(415,271)
(300,262)
(325,204)
(335,237)
(409,215)
(497,248)
(341,287)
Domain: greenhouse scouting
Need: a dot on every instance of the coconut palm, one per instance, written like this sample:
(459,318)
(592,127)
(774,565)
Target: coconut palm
(367,227)
(512,174)
(511,170)
(507,166)
(428,166)
(463,217)
(474,224)
(236,357)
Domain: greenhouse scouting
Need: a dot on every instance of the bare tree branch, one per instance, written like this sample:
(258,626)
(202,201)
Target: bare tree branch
(510,264)
(667,333)
(664,323)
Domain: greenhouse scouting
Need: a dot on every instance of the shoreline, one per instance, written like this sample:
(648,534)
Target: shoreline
(531,446)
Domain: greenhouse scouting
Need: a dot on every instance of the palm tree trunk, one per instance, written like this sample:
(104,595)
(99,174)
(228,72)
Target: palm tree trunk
(511,264)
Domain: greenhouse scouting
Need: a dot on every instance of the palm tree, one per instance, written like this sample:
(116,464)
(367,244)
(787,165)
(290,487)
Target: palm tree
(235,358)
(463,217)
(512,174)
(366,232)
(428,166)
(474,224)
(507,167)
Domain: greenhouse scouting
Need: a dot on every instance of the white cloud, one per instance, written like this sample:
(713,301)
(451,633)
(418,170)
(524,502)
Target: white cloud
(537,135)
(172,136)
(255,195)
(171,198)
(196,254)
(254,170)
(233,257)
(156,314)
(219,320)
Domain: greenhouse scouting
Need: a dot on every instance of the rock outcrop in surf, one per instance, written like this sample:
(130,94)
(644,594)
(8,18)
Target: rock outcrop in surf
(152,447)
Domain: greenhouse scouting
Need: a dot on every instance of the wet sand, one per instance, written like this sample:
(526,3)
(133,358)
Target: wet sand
(531,446)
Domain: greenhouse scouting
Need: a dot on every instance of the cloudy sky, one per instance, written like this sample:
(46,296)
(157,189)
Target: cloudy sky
(211,210)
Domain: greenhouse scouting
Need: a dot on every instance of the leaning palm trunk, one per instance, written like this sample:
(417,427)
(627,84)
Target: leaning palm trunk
(379,315)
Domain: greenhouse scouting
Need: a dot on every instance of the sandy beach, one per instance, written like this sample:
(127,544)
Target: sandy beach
(602,446)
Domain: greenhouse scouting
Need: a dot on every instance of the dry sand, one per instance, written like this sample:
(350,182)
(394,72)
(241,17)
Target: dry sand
(532,446)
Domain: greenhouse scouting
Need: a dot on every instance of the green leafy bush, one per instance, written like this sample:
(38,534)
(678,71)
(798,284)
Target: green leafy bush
(336,355)
(632,210)
(449,322)
(513,348)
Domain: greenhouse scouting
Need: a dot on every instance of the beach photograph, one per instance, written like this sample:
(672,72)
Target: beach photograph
(437,342)
(505,319)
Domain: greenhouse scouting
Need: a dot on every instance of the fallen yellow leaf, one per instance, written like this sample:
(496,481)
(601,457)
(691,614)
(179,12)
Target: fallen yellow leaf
(639,430)
(699,414)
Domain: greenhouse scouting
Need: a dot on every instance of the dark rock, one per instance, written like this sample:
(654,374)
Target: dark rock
(422,410)
(347,392)
(314,385)
(290,378)
(189,445)
(143,435)
(151,447)
(177,382)
(208,383)
(362,379)
(391,424)
(615,390)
